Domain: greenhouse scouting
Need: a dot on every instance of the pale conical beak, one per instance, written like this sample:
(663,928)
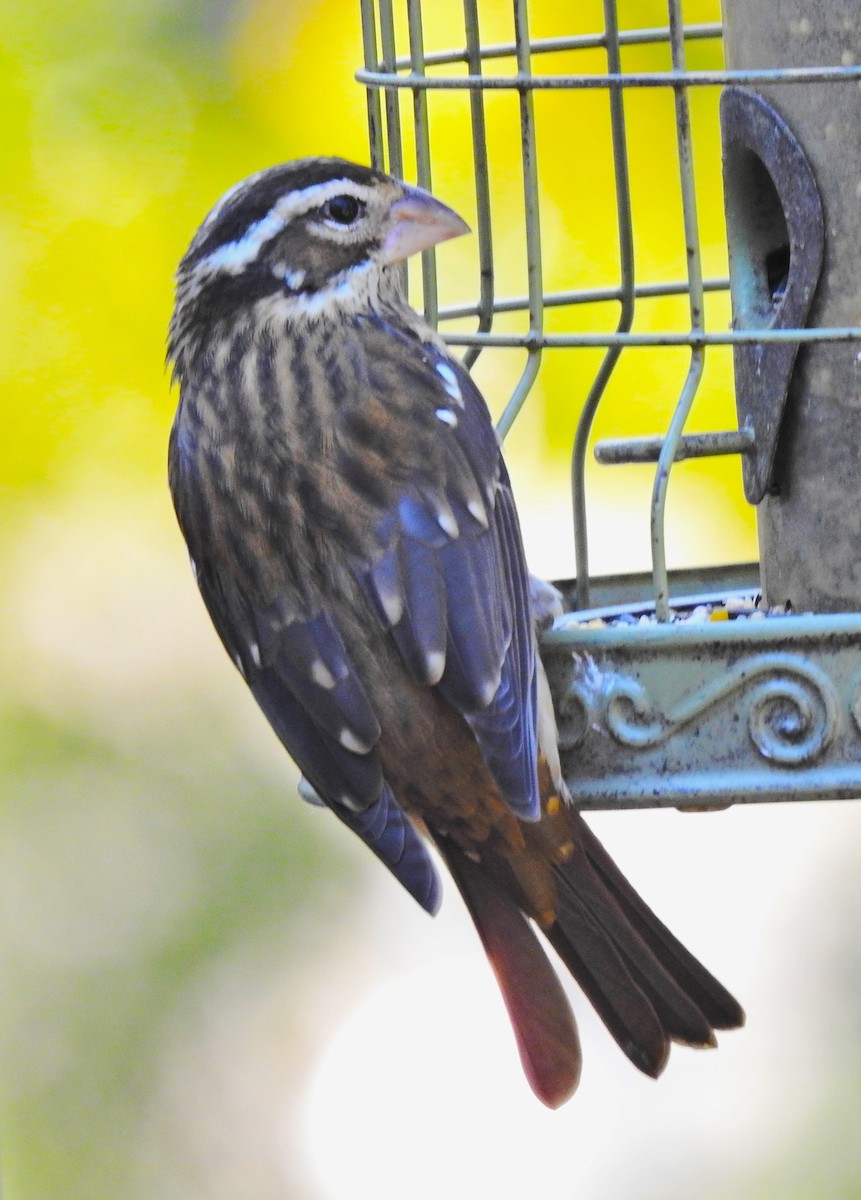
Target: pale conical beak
(418,221)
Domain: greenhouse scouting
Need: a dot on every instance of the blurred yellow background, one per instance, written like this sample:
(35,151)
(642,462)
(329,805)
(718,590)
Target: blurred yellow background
(207,989)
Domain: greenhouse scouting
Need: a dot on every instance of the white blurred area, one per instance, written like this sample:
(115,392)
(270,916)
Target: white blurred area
(418,1091)
(365,1054)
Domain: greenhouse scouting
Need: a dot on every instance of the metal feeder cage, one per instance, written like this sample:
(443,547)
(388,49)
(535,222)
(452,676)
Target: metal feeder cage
(761,700)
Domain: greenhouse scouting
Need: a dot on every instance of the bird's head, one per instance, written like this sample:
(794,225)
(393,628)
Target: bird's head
(310,239)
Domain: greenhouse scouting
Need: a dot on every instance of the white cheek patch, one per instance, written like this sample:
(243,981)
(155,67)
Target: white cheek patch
(294,280)
(354,290)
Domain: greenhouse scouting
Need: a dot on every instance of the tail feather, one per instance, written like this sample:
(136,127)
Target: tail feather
(537,1005)
(608,985)
(645,986)
(717,1005)
(593,921)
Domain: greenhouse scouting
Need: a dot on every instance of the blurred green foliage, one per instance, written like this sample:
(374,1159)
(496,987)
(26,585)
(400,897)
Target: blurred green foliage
(148,841)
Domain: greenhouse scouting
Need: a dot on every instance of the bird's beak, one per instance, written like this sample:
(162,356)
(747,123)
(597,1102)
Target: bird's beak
(418,221)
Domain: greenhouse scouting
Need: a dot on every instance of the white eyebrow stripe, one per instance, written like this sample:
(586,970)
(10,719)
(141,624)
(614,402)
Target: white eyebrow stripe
(295,203)
(234,256)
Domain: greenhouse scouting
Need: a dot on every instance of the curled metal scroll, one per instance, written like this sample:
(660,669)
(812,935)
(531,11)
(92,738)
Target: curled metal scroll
(793,714)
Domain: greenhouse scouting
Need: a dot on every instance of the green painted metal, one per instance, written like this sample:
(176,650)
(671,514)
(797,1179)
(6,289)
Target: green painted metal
(635,79)
(632,593)
(809,531)
(625,320)
(616,451)
(532,220)
(654,710)
(486,306)
(588,41)
(639,291)
(670,447)
(729,337)
(424,177)
(702,716)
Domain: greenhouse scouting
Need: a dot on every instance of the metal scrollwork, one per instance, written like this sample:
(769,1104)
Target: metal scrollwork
(633,718)
(579,706)
(793,715)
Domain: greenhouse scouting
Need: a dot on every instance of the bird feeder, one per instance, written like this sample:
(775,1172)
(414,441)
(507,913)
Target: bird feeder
(727,684)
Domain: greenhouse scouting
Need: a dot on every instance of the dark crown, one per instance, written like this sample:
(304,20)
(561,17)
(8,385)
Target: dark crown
(251,200)
(289,231)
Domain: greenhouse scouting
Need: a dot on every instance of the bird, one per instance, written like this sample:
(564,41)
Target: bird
(351,525)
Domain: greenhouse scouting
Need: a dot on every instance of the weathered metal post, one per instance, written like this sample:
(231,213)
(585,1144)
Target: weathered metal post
(805,474)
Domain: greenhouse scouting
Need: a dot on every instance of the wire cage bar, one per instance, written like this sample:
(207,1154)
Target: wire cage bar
(403,77)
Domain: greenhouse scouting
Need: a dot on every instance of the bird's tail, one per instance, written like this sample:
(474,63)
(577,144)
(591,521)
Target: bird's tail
(646,987)
(537,1006)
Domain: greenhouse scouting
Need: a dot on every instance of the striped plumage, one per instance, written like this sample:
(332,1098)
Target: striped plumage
(348,513)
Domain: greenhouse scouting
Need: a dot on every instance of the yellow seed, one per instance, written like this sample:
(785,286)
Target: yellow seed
(553,805)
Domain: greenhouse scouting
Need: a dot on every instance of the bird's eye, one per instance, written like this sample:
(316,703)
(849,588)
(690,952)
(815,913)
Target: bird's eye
(343,210)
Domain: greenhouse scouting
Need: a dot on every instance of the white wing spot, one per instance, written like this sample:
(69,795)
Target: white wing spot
(447,417)
(450,383)
(321,675)
(350,742)
(392,604)
(351,803)
(476,509)
(254,651)
(434,666)
(447,523)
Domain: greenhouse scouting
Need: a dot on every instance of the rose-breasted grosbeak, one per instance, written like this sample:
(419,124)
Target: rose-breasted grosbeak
(351,525)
